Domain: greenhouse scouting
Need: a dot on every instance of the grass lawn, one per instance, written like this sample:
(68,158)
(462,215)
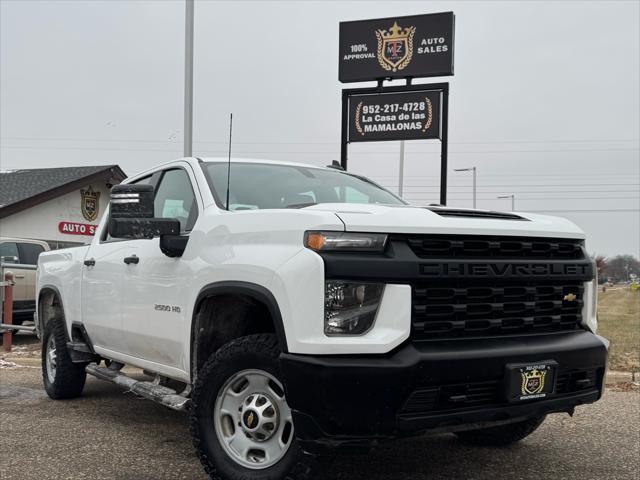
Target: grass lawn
(619,321)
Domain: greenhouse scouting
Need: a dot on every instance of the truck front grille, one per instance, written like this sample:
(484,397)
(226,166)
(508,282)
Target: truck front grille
(468,310)
(490,247)
(496,285)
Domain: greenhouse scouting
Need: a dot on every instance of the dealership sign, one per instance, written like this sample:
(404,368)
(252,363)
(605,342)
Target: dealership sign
(411,115)
(72,228)
(396,47)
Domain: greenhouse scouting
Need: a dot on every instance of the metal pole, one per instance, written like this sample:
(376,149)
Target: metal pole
(188,79)
(344,130)
(474,187)
(8,310)
(401,172)
(444,144)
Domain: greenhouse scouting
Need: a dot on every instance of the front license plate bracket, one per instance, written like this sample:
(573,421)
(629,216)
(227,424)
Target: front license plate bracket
(530,381)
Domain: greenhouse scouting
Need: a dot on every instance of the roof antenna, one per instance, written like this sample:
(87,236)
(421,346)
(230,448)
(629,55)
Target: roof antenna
(229,163)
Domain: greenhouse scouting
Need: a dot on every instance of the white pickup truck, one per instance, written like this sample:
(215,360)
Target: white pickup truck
(296,310)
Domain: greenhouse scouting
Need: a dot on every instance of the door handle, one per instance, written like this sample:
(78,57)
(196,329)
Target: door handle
(19,276)
(90,262)
(131,259)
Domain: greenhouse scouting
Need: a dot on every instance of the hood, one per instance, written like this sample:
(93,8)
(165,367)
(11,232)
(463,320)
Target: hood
(422,220)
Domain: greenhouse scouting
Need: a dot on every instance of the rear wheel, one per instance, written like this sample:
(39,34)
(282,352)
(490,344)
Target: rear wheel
(241,423)
(501,435)
(61,377)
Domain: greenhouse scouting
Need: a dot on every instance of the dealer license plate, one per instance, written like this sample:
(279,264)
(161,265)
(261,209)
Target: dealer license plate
(529,381)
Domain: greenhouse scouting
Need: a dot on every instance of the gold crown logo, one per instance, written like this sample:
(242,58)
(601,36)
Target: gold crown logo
(395,32)
(395,47)
(532,389)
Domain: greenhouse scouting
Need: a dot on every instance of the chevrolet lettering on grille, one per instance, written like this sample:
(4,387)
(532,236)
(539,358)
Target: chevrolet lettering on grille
(504,269)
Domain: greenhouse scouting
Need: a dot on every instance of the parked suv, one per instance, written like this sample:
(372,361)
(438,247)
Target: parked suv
(294,310)
(20,256)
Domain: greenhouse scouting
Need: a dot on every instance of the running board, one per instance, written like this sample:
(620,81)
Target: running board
(158,393)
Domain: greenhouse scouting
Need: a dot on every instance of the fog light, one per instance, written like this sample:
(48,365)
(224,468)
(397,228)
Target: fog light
(350,308)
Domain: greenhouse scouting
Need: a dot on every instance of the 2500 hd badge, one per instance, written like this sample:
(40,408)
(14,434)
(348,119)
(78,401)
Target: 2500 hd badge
(309,290)
(166,308)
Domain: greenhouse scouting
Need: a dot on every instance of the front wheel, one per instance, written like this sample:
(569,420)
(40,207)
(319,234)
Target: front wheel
(502,435)
(240,422)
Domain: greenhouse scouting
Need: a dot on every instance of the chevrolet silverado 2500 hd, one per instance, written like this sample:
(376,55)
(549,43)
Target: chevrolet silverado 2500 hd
(306,309)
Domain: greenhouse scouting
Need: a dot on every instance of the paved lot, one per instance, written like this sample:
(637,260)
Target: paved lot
(108,434)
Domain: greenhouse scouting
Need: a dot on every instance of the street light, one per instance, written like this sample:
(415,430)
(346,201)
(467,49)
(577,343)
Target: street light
(470,169)
(513,200)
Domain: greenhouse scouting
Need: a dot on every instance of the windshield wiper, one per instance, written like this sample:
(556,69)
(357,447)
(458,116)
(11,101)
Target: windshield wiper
(301,205)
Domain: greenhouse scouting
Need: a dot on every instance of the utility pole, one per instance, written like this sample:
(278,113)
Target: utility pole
(188,79)
(401,173)
(513,200)
(470,169)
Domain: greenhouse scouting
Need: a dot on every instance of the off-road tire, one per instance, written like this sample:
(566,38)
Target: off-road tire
(502,435)
(259,351)
(69,377)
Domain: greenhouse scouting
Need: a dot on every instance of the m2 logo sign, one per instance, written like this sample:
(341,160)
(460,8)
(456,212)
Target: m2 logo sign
(415,46)
(89,204)
(395,47)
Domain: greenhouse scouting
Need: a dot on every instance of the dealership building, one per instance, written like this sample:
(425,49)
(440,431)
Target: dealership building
(61,206)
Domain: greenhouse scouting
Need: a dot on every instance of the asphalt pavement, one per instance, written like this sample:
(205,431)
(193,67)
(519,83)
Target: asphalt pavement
(109,434)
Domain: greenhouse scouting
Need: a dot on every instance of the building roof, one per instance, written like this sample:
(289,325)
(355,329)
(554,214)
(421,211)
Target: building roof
(22,189)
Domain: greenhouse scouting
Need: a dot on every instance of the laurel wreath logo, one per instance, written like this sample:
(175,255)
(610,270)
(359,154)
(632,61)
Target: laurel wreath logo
(427,124)
(358,125)
(383,62)
(409,50)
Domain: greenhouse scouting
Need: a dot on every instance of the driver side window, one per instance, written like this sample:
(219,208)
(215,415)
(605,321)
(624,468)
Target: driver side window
(175,199)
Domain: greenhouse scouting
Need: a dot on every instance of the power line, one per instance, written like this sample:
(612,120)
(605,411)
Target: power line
(530,191)
(586,210)
(538,199)
(511,175)
(328,152)
(222,142)
(512,185)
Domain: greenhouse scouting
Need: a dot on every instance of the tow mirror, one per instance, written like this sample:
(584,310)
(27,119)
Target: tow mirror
(131,214)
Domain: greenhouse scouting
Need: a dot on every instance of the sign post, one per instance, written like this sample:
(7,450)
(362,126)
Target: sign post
(389,48)
(412,112)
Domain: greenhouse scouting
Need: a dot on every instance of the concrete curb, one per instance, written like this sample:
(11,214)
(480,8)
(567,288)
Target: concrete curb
(622,377)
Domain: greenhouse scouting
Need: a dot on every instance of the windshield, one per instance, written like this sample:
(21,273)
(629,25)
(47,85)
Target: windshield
(260,185)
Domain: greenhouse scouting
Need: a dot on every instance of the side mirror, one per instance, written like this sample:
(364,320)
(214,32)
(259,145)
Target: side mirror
(131,214)
(132,201)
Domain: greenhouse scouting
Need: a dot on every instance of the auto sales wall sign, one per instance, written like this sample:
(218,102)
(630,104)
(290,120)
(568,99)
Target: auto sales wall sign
(411,115)
(397,47)
(73,228)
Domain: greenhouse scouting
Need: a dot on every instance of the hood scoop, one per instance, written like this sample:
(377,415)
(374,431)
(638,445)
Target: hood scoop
(456,212)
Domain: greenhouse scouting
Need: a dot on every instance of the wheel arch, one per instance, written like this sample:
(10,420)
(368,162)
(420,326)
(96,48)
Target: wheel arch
(49,306)
(237,289)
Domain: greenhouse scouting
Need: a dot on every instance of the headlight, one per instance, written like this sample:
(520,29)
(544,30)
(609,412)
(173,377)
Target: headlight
(350,308)
(345,241)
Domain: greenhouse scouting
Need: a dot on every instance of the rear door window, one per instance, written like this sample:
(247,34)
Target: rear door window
(29,253)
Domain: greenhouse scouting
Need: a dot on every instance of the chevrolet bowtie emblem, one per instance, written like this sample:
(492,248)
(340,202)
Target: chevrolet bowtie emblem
(569,297)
